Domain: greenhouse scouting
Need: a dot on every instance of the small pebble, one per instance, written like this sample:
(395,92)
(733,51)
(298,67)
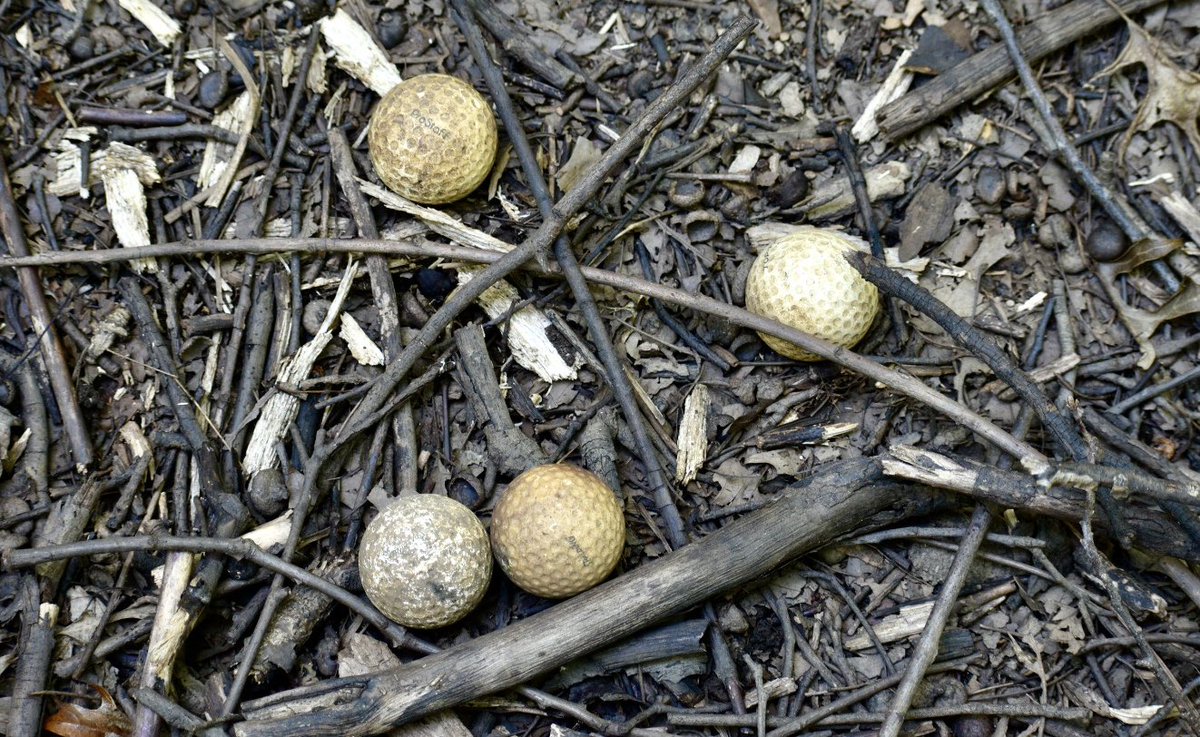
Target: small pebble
(436,284)
(1070,261)
(465,492)
(1106,242)
(990,186)
(82,48)
(791,190)
(1055,231)
(214,86)
(391,29)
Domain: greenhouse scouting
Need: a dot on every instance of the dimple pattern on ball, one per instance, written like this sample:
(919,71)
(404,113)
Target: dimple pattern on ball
(432,139)
(425,561)
(557,530)
(804,281)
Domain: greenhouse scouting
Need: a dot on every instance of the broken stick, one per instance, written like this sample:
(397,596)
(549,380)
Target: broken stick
(840,499)
(983,71)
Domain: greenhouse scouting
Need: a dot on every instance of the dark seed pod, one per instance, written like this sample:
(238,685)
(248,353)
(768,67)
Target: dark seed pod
(1106,242)
(214,87)
(82,48)
(990,186)
(391,29)
(793,188)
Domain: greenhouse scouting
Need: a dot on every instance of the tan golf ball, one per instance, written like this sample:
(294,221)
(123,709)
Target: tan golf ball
(432,139)
(557,530)
(803,280)
(425,561)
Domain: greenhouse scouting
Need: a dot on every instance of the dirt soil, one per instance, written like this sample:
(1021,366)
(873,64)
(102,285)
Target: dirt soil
(297,345)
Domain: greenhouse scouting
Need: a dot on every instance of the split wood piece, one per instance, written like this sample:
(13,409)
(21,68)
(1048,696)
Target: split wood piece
(301,613)
(511,450)
(516,40)
(833,503)
(1153,530)
(162,26)
(897,381)
(42,324)
(32,666)
(528,328)
(978,74)
(124,169)
(693,435)
(281,407)
(358,54)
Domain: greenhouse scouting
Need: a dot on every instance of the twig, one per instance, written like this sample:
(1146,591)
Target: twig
(900,382)
(237,548)
(741,551)
(1058,137)
(925,650)
(1153,391)
(1187,708)
(43,326)
(1056,422)
(1065,714)
(811,42)
(988,68)
(613,367)
(539,240)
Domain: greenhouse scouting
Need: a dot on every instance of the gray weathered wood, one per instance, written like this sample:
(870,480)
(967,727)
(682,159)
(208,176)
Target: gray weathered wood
(983,71)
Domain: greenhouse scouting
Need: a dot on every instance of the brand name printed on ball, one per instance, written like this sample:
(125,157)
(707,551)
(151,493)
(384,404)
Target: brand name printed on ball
(431,126)
(584,559)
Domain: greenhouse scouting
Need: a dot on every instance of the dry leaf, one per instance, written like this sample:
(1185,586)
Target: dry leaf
(1172,94)
(76,721)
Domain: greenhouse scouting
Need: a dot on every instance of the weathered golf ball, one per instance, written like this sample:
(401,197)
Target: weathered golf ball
(803,280)
(557,530)
(425,561)
(432,139)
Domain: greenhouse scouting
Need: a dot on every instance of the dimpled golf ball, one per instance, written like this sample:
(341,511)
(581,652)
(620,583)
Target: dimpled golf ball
(557,530)
(432,139)
(803,280)
(425,561)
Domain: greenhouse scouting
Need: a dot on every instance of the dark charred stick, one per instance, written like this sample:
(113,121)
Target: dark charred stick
(44,331)
(858,185)
(569,205)
(519,42)
(565,257)
(592,86)
(1120,214)
(132,118)
(180,401)
(258,343)
(811,42)
(510,450)
(39,193)
(687,336)
(988,68)
(258,215)
(897,381)
(32,667)
(742,550)
(1057,423)
(383,289)
(1153,530)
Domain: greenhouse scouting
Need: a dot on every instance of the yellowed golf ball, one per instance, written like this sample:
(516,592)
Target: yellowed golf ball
(557,530)
(425,561)
(432,139)
(804,281)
